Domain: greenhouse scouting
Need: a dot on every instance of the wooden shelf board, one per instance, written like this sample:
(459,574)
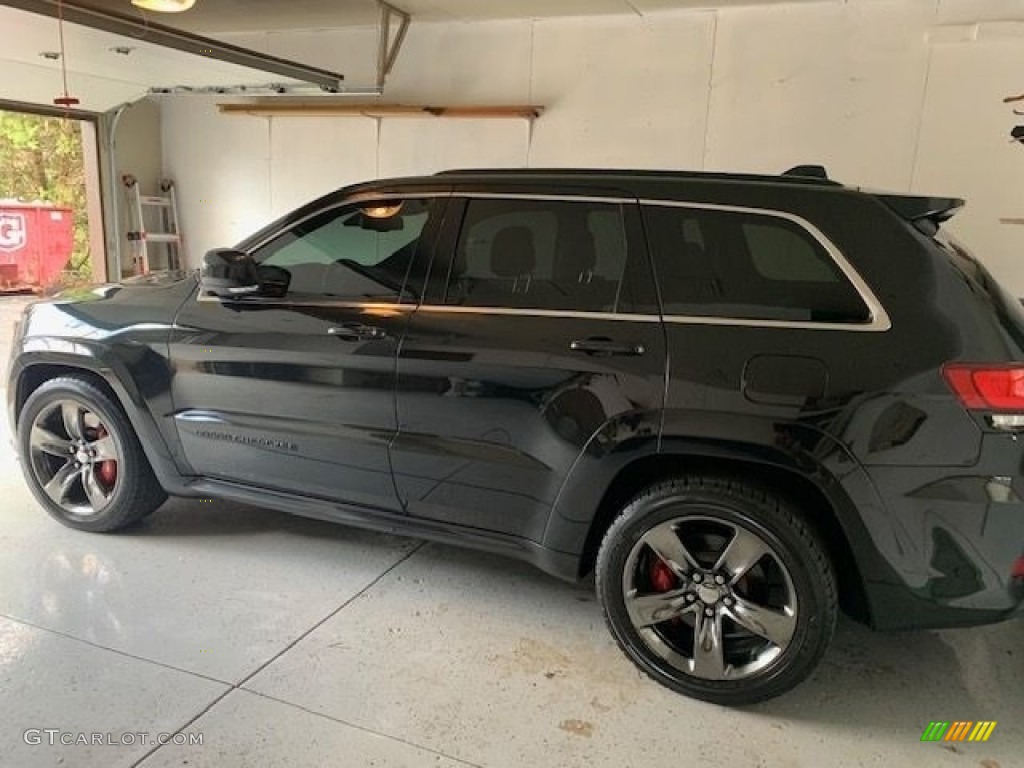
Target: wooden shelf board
(348,109)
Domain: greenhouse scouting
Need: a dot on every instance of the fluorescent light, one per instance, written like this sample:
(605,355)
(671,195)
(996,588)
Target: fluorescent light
(165,6)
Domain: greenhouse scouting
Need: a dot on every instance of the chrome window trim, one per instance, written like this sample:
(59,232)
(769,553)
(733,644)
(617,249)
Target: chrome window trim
(260,301)
(643,318)
(377,308)
(878,321)
(442,309)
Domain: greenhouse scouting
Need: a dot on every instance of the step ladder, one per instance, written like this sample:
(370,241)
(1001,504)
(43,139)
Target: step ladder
(160,227)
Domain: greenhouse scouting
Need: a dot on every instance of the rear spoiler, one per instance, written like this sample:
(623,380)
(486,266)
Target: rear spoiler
(925,213)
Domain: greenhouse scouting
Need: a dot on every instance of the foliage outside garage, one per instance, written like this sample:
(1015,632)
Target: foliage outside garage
(41,160)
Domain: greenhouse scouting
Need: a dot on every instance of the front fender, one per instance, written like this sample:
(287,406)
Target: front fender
(136,372)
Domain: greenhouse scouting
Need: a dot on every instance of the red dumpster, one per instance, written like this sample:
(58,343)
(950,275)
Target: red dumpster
(36,240)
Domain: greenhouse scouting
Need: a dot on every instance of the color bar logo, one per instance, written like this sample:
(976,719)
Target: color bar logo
(960,730)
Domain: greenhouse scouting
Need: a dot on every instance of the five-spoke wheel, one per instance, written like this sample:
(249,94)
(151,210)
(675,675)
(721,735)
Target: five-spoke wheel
(710,598)
(717,588)
(82,459)
(74,457)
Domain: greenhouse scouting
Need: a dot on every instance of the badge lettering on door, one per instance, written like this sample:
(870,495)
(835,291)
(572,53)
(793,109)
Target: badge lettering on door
(257,442)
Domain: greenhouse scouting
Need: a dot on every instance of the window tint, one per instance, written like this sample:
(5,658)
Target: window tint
(533,254)
(748,266)
(779,253)
(355,253)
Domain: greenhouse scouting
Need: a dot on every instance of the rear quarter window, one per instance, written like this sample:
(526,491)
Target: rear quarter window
(746,265)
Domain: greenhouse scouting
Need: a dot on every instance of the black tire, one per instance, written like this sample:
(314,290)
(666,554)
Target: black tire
(794,578)
(130,492)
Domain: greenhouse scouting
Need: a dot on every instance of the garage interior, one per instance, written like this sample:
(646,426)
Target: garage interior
(286,641)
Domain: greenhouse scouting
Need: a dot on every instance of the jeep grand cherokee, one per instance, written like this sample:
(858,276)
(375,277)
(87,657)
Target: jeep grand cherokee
(743,402)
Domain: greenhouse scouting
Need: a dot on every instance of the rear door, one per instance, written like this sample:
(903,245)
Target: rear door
(524,355)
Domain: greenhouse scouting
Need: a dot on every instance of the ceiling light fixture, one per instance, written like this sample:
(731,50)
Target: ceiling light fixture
(164,6)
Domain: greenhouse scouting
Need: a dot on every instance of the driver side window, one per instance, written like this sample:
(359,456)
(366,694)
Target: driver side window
(351,253)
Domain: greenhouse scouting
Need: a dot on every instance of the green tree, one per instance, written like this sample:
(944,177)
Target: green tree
(41,159)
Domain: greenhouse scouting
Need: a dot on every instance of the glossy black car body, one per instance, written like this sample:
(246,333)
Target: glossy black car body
(525,432)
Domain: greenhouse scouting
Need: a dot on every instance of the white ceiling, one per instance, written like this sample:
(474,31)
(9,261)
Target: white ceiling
(213,16)
(103,79)
(99,77)
(219,16)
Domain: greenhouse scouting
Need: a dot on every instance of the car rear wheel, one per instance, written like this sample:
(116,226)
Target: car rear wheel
(717,589)
(82,459)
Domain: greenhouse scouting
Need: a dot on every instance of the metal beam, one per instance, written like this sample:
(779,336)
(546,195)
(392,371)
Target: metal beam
(47,110)
(388,50)
(146,31)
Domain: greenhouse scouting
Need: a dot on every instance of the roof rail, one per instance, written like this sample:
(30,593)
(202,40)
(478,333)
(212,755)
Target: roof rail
(790,177)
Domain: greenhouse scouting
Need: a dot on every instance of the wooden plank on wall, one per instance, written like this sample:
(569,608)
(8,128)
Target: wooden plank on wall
(321,108)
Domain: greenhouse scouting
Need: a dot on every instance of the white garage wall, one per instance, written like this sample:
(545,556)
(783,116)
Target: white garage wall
(964,145)
(623,93)
(900,94)
(839,84)
(222,170)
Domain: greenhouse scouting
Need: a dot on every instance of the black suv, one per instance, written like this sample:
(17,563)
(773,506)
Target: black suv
(743,402)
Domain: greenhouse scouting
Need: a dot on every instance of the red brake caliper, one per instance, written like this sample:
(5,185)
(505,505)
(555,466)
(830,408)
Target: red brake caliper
(662,577)
(107,470)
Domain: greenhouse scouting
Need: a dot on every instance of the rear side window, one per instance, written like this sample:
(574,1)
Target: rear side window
(734,264)
(539,254)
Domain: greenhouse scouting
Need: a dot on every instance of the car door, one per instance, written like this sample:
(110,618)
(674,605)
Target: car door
(523,356)
(293,389)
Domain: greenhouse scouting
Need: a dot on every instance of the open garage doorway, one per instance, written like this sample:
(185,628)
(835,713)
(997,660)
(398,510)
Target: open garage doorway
(51,228)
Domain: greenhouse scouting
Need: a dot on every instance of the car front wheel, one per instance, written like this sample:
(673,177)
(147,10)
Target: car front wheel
(82,459)
(717,589)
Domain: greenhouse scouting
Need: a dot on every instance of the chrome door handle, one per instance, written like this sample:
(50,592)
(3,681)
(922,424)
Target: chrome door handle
(357,332)
(600,347)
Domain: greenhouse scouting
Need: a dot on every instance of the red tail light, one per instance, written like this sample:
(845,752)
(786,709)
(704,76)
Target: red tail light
(1018,569)
(987,387)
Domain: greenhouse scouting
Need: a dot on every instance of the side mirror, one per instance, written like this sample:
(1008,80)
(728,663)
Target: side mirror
(274,281)
(228,274)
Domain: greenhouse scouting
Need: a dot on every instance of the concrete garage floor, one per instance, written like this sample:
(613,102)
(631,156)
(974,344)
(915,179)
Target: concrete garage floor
(288,642)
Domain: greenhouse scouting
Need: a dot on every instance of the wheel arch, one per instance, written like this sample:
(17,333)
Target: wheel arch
(797,487)
(33,373)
